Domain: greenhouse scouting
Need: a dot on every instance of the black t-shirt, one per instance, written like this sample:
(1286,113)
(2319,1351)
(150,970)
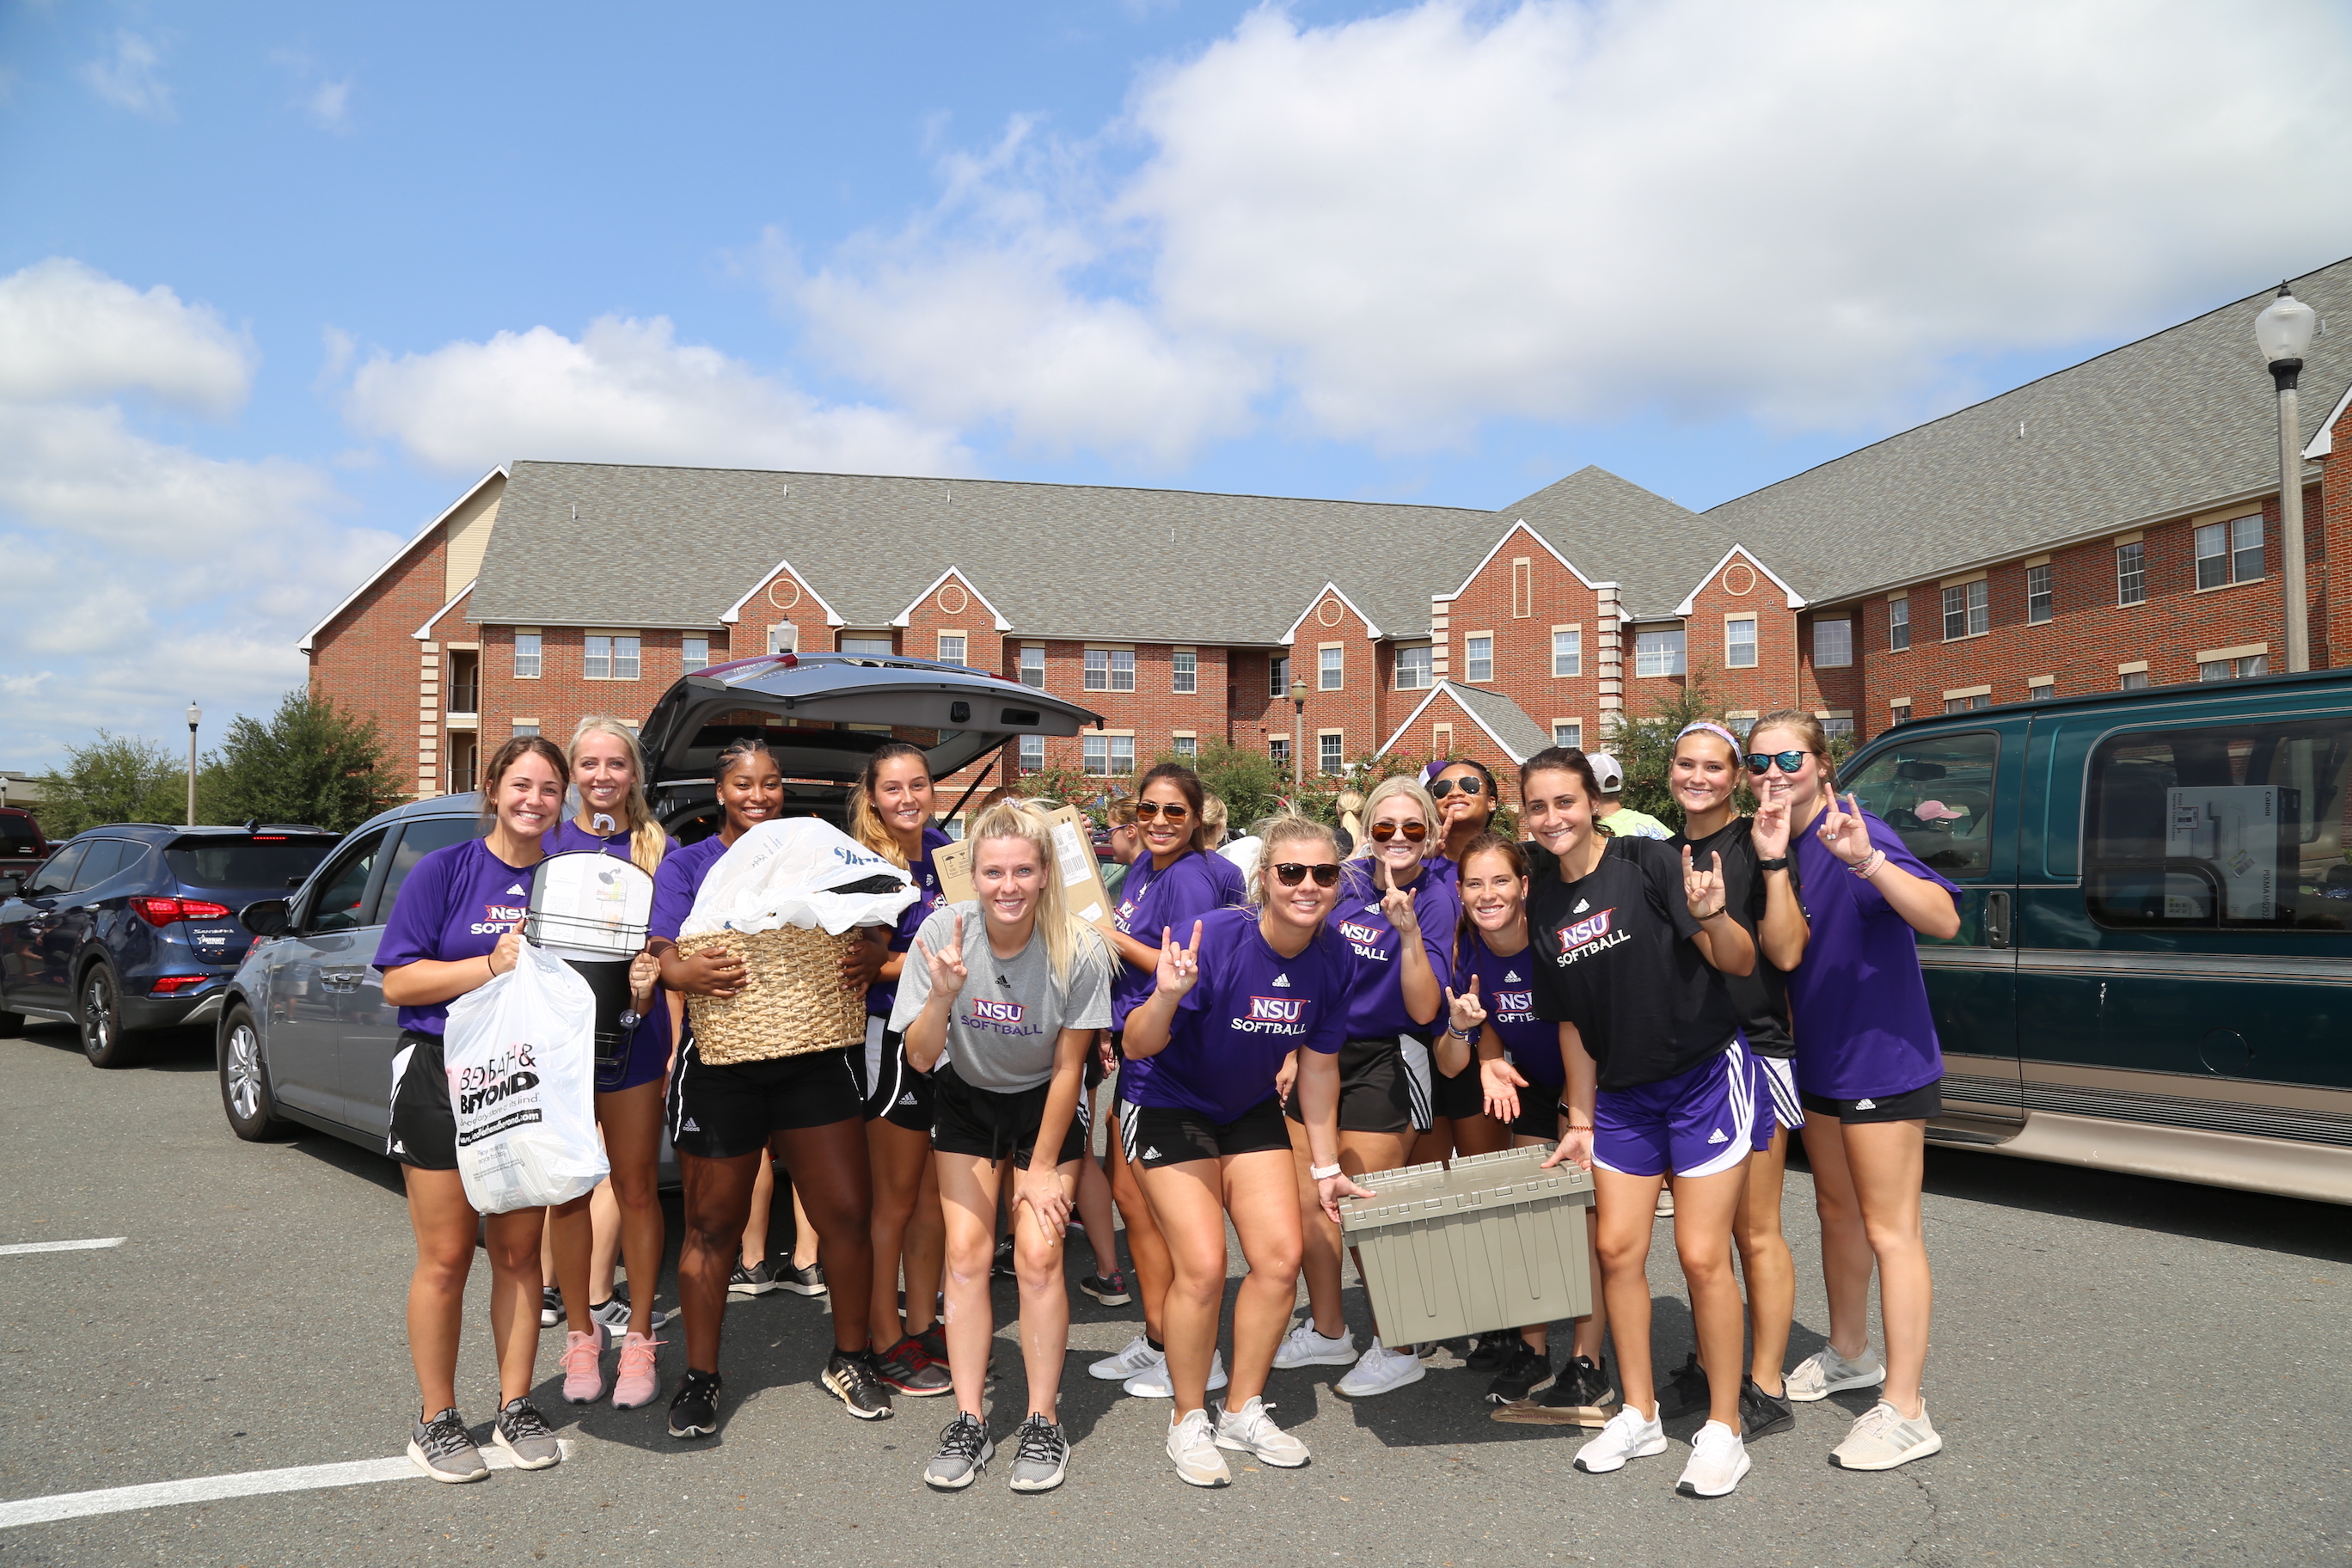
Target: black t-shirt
(1620,965)
(1761,996)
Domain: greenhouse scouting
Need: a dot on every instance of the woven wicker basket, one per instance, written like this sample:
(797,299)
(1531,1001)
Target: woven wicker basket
(791,1006)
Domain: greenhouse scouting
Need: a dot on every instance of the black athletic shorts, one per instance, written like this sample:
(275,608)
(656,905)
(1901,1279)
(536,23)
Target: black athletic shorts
(893,1090)
(423,1128)
(721,1112)
(1383,1088)
(1539,1112)
(1912,1105)
(1156,1135)
(990,1125)
(1461,1095)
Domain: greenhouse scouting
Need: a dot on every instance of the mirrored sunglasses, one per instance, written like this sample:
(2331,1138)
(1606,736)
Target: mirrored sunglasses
(1146,810)
(1415,832)
(1445,787)
(1788,761)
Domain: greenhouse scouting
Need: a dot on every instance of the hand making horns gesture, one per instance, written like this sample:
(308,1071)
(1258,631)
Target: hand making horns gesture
(1845,834)
(1469,1013)
(1180,967)
(1703,890)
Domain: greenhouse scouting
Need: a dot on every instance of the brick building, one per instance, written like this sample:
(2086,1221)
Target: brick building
(2114,523)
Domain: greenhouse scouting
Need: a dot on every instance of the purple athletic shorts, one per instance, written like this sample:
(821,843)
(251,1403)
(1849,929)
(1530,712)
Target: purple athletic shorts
(1693,1125)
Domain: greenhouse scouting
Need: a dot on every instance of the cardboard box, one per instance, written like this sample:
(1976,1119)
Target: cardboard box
(1496,1242)
(1074,857)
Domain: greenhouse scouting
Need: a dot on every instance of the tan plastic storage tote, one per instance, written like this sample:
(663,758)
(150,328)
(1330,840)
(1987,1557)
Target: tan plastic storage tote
(1496,1242)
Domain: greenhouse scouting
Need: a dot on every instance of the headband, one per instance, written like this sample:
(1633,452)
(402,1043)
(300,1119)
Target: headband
(1712,728)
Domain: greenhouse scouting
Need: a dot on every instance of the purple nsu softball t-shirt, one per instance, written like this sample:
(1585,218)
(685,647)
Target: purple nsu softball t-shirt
(1150,901)
(1506,989)
(568,837)
(1250,1008)
(454,905)
(883,994)
(1376,1009)
(1857,999)
(675,885)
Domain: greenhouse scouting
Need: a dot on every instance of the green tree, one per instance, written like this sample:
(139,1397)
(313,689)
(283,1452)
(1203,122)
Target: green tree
(1249,781)
(311,762)
(115,778)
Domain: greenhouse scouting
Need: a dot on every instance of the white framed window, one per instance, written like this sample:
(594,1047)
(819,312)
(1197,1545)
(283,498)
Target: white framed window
(951,647)
(526,658)
(1833,728)
(525,727)
(1110,669)
(606,657)
(2244,668)
(785,637)
(2131,579)
(1122,755)
(1032,664)
(1184,671)
(1967,704)
(694,652)
(1898,712)
(1413,667)
(1567,732)
(1740,642)
(1832,644)
(2042,693)
(1967,610)
(1898,625)
(1188,747)
(2229,552)
(1478,656)
(1330,667)
(870,647)
(1277,683)
(1093,751)
(2038,599)
(1331,752)
(2132,681)
(1032,754)
(1658,652)
(1566,651)
(1278,748)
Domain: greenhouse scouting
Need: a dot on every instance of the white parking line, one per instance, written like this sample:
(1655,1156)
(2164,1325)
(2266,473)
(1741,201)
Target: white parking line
(94,1243)
(212,1489)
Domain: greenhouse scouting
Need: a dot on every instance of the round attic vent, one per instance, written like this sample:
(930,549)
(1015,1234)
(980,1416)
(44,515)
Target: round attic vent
(784,593)
(1329,612)
(1739,579)
(952,600)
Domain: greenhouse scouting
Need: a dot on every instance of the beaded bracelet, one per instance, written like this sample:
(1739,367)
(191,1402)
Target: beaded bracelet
(1869,864)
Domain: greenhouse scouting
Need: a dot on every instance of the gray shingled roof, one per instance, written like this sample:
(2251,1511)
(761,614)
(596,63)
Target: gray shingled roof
(2158,428)
(1520,735)
(1612,530)
(662,546)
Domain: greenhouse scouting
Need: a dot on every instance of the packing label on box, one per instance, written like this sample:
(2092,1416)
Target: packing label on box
(1074,862)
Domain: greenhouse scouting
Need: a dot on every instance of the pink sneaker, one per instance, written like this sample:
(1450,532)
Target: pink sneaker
(637,1384)
(584,1371)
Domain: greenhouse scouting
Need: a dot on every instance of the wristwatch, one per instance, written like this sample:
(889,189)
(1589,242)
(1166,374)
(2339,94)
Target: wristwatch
(1778,863)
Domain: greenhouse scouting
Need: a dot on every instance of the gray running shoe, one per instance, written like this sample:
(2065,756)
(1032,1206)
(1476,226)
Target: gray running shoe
(526,1436)
(1881,1439)
(1825,1372)
(756,1280)
(1041,1456)
(964,1452)
(442,1448)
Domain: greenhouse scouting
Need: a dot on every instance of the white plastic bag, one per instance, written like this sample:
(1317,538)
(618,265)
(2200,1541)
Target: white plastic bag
(520,1053)
(783,873)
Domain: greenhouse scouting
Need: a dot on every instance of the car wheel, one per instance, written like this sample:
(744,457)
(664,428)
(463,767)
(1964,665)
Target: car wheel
(245,1080)
(100,1014)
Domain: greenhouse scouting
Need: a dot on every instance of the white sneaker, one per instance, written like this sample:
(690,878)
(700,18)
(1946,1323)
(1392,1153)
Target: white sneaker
(1881,1439)
(1718,1459)
(1154,1383)
(1825,1372)
(1380,1371)
(1250,1430)
(1195,1450)
(1630,1435)
(1304,1347)
(1138,1356)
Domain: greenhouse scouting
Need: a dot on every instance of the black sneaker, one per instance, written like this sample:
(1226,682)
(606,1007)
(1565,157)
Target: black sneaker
(1581,1395)
(909,1369)
(850,1379)
(694,1411)
(1004,1268)
(964,1452)
(1761,1413)
(1528,1369)
(1041,1456)
(1109,1289)
(756,1280)
(551,1307)
(934,1340)
(1684,1392)
(1493,1350)
(809,1281)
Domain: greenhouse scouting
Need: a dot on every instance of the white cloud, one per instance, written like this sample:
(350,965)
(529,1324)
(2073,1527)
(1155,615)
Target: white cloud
(1394,228)
(325,99)
(69,331)
(130,76)
(623,392)
(329,103)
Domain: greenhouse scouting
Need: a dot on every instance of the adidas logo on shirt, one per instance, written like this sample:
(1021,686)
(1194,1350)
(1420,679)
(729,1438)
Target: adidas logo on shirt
(517,891)
(1282,980)
(1717,1137)
(1865,1105)
(1581,905)
(1511,977)
(906,1098)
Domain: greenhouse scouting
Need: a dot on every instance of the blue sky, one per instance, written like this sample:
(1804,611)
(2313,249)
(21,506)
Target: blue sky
(277,281)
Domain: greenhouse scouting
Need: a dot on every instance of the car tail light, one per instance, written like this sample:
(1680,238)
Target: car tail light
(173,984)
(161,912)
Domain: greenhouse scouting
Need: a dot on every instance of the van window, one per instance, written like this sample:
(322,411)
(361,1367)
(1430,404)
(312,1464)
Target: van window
(337,905)
(1937,792)
(2238,824)
(420,838)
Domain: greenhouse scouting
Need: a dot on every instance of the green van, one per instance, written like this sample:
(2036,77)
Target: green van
(2156,930)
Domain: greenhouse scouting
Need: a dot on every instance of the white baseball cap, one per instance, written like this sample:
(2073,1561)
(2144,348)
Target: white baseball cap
(1606,773)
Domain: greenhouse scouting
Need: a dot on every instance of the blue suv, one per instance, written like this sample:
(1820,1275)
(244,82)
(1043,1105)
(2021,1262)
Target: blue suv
(133,926)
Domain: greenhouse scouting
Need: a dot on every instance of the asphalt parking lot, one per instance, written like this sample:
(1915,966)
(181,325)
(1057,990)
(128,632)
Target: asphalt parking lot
(2124,1372)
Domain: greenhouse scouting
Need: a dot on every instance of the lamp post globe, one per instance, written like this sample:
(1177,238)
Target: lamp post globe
(1299,732)
(2284,332)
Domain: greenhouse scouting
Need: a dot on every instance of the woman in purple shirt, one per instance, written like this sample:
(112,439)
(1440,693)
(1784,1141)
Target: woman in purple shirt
(608,772)
(454,926)
(1464,795)
(1869,1074)
(1229,1008)
(1395,922)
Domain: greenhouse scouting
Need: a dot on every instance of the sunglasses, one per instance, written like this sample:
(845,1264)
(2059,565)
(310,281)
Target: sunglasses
(1290,873)
(1445,787)
(1789,761)
(1147,810)
(1415,832)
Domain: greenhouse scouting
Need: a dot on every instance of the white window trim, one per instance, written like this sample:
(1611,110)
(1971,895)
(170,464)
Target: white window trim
(1465,677)
(2244,650)
(2033,680)
(1963,579)
(1968,691)
(2136,666)
(1755,642)
(1321,649)
(1173,688)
